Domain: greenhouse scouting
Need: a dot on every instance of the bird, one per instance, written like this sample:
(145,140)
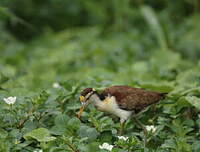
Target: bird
(121,100)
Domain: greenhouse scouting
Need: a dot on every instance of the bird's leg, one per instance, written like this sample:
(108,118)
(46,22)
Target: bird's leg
(122,123)
(143,128)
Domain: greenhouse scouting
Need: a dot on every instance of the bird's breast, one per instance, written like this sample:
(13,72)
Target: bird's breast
(110,105)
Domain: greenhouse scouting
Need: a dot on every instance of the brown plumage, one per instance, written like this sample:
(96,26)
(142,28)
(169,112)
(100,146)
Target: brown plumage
(122,101)
(86,91)
(129,98)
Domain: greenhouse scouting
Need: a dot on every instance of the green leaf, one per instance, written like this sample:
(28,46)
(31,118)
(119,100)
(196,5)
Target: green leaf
(86,131)
(169,143)
(162,87)
(152,19)
(40,134)
(189,78)
(3,79)
(73,106)
(61,120)
(3,133)
(74,123)
(193,100)
(196,146)
(65,125)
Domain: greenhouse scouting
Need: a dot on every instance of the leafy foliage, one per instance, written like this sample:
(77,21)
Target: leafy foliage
(48,73)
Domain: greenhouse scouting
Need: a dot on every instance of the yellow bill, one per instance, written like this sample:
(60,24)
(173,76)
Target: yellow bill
(82,99)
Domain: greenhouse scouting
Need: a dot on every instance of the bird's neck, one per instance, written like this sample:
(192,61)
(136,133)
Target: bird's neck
(96,100)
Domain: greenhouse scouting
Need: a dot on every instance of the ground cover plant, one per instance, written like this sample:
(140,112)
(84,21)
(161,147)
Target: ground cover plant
(41,80)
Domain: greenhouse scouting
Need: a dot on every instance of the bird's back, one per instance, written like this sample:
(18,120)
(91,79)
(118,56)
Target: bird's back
(130,98)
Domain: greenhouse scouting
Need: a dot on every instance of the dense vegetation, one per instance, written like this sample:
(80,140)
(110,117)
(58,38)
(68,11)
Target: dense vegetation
(48,56)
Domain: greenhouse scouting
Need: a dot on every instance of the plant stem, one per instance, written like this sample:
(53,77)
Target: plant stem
(23,121)
(72,147)
(143,128)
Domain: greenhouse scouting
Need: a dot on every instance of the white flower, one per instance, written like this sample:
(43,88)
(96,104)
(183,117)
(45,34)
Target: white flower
(10,100)
(151,128)
(123,138)
(106,146)
(56,85)
(40,150)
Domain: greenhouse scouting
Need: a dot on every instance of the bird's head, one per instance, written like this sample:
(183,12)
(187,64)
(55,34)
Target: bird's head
(85,98)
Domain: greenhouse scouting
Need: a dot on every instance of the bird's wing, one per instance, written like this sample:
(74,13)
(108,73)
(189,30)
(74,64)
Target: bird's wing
(130,98)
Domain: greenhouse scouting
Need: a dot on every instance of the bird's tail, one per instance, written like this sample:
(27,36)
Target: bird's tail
(163,95)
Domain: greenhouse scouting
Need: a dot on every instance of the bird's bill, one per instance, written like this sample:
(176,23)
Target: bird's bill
(82,98)
(84,104)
